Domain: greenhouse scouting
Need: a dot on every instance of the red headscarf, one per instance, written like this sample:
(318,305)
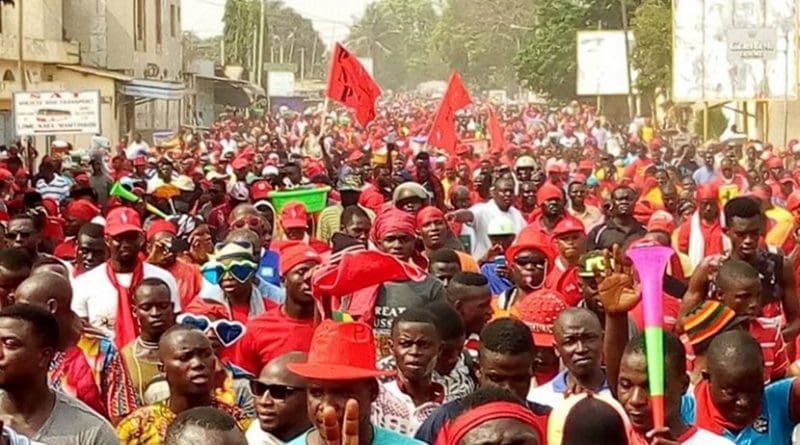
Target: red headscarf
(455,430)
(391,219)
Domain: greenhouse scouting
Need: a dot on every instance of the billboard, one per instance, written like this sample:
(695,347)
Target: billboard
(603,63)
(280,83)
(734,50)
(56,112)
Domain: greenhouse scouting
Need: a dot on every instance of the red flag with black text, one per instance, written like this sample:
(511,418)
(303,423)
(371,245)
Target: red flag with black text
(443,132)
(498,142)
(352,86)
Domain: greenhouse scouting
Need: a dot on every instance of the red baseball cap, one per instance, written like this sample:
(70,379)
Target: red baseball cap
(122,219)
(539,312)
(340,351)
(260,190)
(239,163)
(568,224)
(548,191)
(295,254)
(661,221)
(294,215)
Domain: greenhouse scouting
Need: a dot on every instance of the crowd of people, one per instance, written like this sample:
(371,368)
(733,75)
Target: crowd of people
(159,293)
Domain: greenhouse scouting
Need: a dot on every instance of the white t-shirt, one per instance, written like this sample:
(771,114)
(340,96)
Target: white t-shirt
(95,298)
(485,212)
(256,436)
(705,437)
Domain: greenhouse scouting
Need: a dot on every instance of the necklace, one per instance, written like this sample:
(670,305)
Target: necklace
(146,346)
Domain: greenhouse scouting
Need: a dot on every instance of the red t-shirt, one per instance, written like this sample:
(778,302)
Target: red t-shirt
(712,236)
(564,279)
(269,335)
(189,280)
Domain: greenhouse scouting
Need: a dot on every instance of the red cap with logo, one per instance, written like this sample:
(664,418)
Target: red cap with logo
(294,215)
(122,219)
(260,190)
(568,224)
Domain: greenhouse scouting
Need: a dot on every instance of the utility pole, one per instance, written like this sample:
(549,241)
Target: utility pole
(262,33)
(302,63)
(20,46)
(627,57)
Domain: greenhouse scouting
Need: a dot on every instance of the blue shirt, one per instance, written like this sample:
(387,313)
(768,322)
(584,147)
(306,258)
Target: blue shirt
(772,427)
(380,437)
(497,284)
(703,175)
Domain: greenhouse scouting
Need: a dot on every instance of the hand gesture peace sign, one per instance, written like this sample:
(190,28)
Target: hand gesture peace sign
(346,434)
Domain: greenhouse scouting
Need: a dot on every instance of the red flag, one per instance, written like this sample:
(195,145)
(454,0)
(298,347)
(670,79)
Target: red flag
(498,142)
(443,131)
(352,86)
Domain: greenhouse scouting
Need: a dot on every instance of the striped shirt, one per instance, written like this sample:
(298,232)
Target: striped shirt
(57,188)
(768,334)
(329,221)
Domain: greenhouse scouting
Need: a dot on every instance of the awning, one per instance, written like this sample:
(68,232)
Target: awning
(153,89)
(237,93)
(96,72)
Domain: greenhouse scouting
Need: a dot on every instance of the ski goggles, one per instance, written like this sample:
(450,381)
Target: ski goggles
(228,332)
(241,270)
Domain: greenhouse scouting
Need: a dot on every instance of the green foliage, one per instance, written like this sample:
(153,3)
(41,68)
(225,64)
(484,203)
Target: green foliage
(480,37)
(652,54)
(717,122)
(547,62)
(285,27)
(394,34)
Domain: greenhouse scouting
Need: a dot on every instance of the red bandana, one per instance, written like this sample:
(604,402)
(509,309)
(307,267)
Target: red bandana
(125,329)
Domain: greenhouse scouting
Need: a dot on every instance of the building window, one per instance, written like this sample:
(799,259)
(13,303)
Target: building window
(159,17)
(8,76)
(173,22)
(139,29)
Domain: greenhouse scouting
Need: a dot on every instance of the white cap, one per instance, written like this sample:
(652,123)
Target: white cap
(500,226)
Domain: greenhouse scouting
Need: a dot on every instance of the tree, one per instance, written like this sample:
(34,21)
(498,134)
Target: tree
(394,34)
(547,63)
(479,38)
(652,54)
(196,48)
(285,29)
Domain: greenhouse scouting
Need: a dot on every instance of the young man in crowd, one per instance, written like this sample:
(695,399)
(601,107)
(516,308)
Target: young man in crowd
(90,248)
(702,234)
(155,314)
(30,339)
(406,401)
(745,227)
(468,293)
(454,365)
(280,402)
(621,225)
(188,363)
(505,361)
(570,239)
(284,328)
(356,223)
(444,264)
(579,342)
(15,267)
(86,366)
(162,252)
(103,295)
(342,384)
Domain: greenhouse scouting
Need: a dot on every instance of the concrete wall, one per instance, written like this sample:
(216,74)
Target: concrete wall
(109,115)
(84,21)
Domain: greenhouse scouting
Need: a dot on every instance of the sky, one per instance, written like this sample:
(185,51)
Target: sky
(331,18)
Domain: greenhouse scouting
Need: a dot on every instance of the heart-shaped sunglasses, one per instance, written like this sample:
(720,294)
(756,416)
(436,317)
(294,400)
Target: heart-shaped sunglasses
(228,332)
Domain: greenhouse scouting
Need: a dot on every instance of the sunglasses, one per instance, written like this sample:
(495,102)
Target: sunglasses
(538,263)
(228,332)
(277,392)
(15,235)
(248,221)
(241,270)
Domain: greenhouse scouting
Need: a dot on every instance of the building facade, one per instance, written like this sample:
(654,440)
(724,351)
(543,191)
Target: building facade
(138,45)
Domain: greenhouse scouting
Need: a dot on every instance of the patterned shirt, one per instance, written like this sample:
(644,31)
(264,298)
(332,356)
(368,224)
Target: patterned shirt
(396,411)
(148,425)
(92,371)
